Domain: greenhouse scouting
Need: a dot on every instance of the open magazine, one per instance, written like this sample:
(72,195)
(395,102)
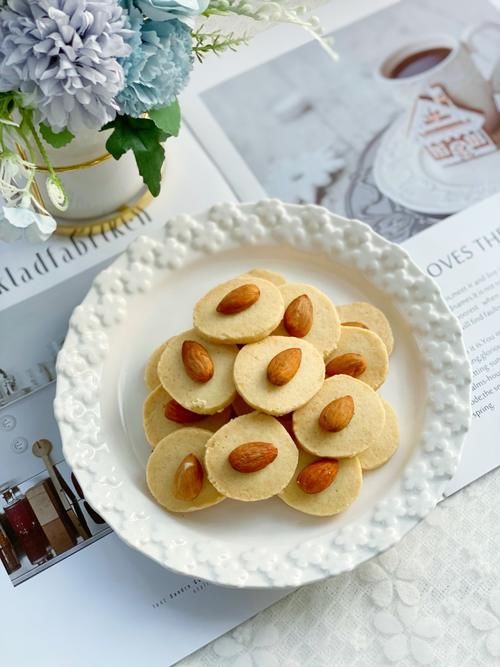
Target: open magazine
(311,135)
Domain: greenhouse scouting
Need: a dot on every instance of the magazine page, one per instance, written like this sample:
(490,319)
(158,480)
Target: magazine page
(462,255)
(333,133)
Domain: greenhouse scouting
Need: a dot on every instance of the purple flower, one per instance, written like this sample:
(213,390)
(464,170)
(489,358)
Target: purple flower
(63,55)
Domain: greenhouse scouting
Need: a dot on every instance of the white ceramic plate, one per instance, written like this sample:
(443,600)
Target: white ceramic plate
(403,172)
(148,294)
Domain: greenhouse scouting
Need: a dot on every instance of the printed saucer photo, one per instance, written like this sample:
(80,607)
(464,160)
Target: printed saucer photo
(406,173)
(147,295)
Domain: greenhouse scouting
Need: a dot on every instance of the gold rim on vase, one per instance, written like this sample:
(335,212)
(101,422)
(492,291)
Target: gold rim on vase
(106,223)
(77,166)
(94,226)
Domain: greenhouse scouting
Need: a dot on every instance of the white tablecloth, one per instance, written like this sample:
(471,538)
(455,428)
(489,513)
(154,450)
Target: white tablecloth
(434,599)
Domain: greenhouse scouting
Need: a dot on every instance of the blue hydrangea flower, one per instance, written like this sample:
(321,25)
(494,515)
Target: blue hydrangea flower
(158,70)
(134,20)
(63,55)
(164,10)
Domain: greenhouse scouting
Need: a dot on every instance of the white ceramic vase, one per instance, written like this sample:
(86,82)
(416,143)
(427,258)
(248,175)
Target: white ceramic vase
(97,185)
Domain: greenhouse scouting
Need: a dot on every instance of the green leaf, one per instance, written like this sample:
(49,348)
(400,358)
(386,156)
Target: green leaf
(168,118)
(144,138)
(55,139)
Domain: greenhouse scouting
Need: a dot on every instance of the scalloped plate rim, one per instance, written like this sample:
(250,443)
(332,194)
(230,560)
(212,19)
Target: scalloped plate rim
(272,215)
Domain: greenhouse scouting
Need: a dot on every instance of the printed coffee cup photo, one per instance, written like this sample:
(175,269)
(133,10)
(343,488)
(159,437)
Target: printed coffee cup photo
(449,119)
(446,61)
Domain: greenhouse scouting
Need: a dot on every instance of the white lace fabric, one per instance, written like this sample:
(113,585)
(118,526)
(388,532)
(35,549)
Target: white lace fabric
(433,599)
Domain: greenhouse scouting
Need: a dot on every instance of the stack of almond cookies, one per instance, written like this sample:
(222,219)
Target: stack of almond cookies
(273,392)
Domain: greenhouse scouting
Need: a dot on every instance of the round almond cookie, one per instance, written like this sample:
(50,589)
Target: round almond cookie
(176,474)
(344,418)
(368,348)
(242,310)
(251,374)
(266,274)
(151,369)
(309,314)
(251,458)
(382,450)
(162,415)
(369,316)
(205,397)
(335,498)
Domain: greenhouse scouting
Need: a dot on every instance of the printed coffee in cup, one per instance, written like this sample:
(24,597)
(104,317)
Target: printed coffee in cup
(419,62)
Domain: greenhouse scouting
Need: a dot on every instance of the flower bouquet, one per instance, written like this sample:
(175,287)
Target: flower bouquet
(69,66)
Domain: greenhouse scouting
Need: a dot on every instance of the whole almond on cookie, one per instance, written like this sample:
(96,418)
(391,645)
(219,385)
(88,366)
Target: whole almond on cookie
(351,363)
(282,367)
(252,456)
(298,318)
(360,325)
(337,414)
(179,414)
(318,476)
(188,480)
(239,299)
(197,361)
